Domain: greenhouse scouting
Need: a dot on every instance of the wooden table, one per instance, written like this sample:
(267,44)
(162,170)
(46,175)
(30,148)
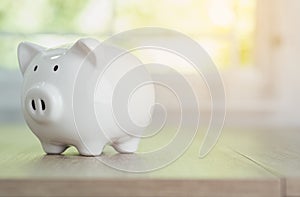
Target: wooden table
(245,162)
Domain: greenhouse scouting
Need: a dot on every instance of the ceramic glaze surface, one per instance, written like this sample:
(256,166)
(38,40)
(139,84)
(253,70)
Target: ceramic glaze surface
(67,97)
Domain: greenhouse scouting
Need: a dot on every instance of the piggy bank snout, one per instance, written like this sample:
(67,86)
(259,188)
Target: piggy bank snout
(43,103)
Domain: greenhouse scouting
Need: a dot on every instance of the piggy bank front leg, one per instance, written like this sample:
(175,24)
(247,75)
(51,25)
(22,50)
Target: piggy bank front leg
(127,146)
(90,149)
(53,149)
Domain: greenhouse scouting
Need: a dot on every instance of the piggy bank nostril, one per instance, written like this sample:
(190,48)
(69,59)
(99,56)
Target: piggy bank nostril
(43,105)
(33,104)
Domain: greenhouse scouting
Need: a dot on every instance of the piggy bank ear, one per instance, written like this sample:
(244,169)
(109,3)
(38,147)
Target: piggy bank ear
(84,47)
(26,52)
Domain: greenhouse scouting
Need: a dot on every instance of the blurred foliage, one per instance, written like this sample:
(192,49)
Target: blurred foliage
(34,16)
(225,28)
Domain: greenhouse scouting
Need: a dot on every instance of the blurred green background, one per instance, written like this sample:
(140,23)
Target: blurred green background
(254,43)
(225,28)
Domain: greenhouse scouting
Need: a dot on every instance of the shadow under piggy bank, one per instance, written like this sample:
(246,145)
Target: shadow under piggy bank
(72,166)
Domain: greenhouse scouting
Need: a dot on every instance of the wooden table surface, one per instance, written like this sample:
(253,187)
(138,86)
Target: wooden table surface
(245,162)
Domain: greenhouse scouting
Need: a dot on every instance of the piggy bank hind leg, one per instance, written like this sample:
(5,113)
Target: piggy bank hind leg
(127,146)
(53,149)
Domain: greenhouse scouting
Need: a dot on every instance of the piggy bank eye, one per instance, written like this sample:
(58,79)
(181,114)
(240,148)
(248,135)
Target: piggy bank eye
(55,68)
(35,68)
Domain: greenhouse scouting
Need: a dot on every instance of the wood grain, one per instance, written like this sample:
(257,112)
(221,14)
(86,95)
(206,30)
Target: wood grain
(277,150)
(26,171)
(136,187)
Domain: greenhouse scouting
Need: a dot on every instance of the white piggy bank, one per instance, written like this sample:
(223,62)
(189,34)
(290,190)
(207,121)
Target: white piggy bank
(67,98)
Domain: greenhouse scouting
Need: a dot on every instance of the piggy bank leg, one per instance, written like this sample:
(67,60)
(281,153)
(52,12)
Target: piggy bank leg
(53,149)
(91,149)
(128,146)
